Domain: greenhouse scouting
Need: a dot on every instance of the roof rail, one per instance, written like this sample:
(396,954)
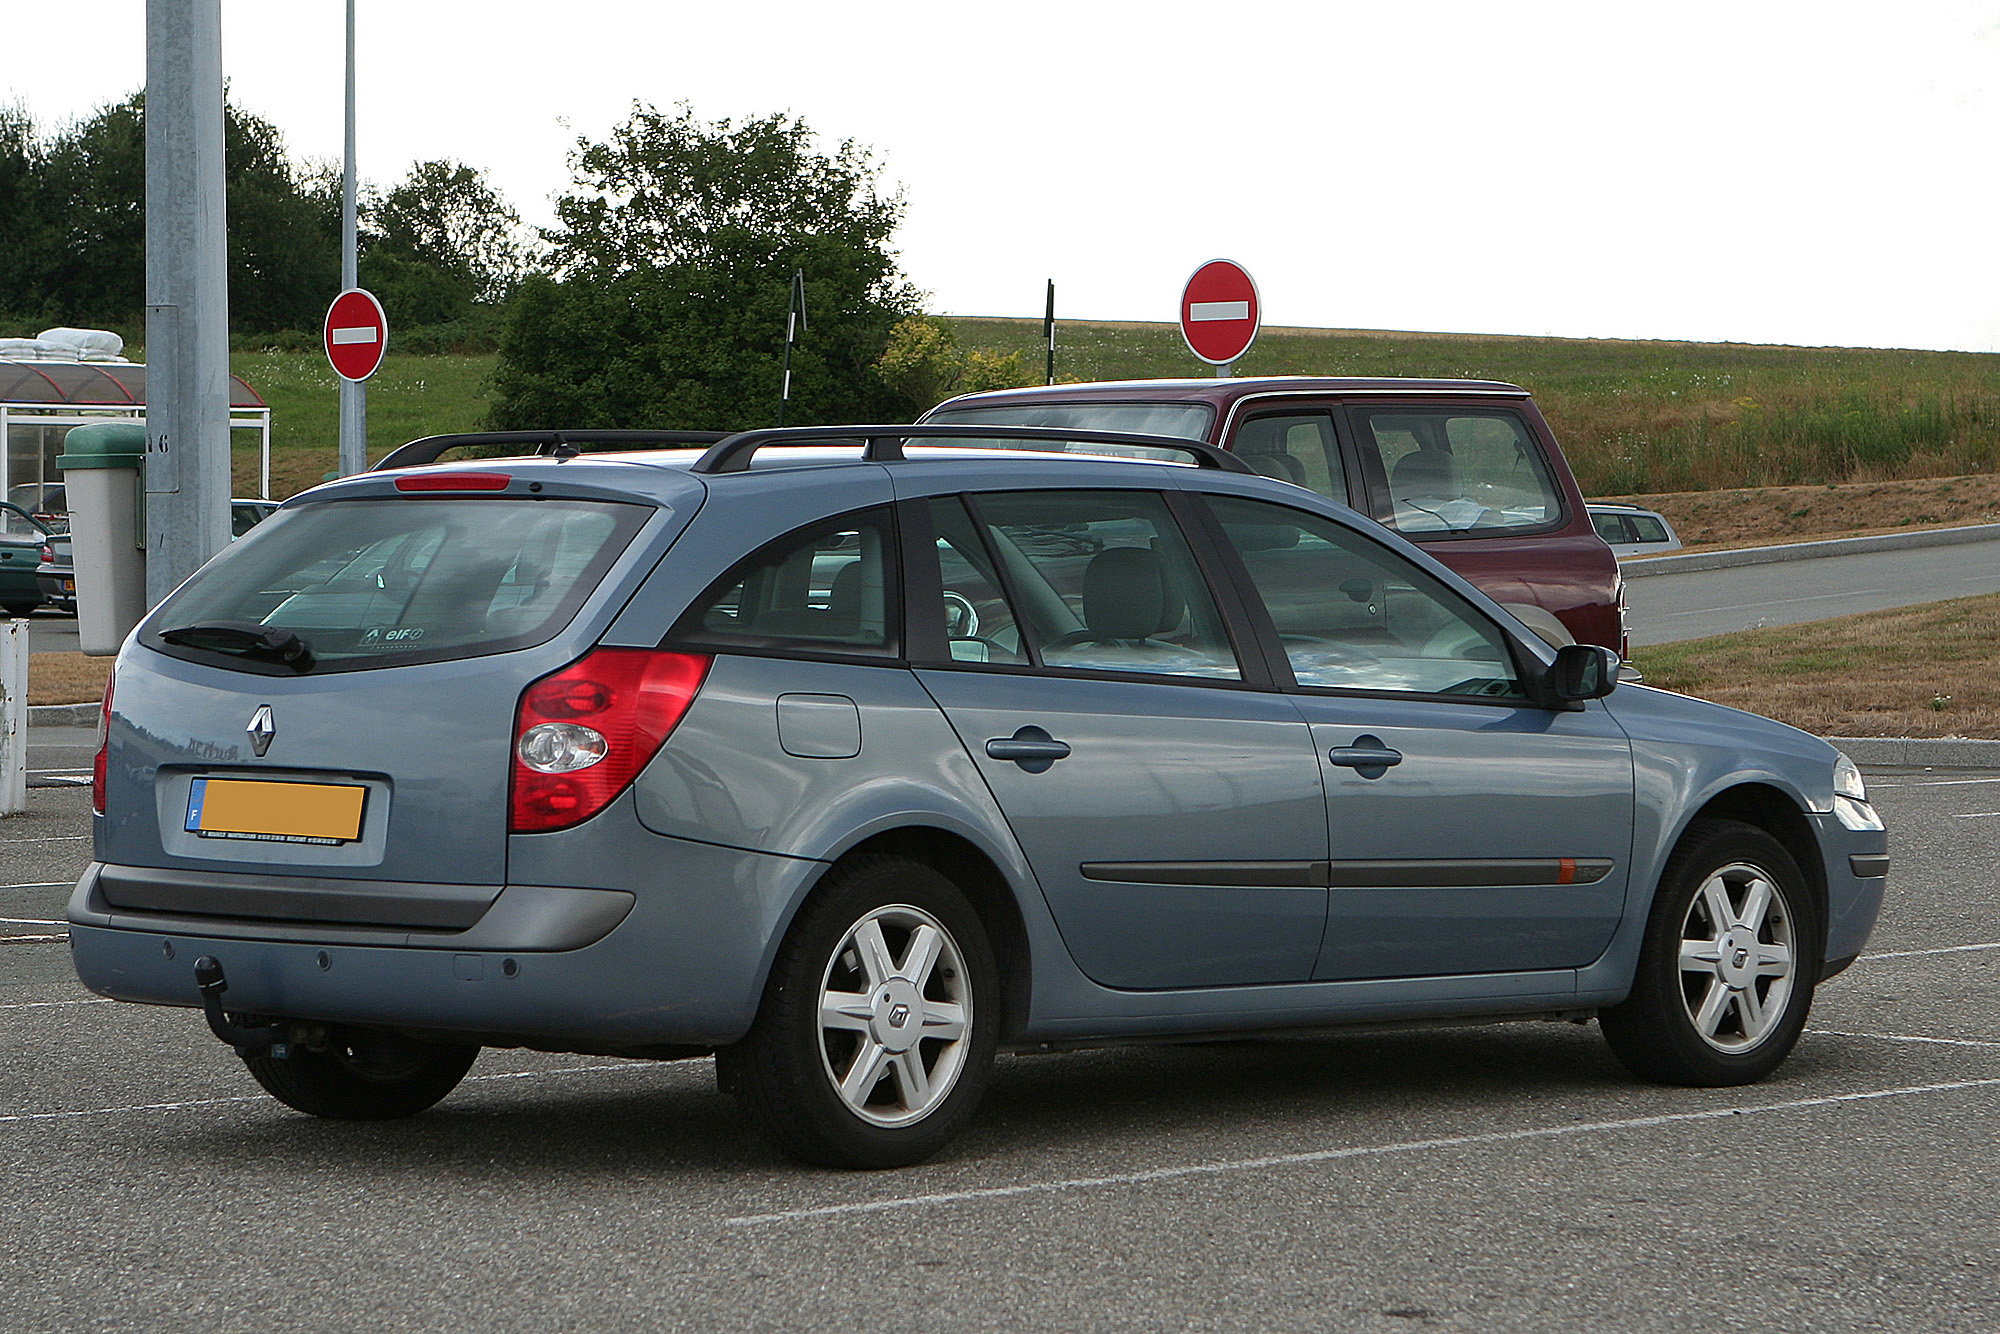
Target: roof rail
(884,444)
(561,444)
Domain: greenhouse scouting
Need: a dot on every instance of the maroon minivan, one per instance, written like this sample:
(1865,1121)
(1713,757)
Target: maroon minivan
(1468,469)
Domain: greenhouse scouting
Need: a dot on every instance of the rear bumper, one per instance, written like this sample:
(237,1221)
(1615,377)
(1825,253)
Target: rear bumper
(677,961)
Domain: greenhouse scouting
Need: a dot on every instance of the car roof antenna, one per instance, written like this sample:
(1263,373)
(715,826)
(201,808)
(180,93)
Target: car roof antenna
(563,451)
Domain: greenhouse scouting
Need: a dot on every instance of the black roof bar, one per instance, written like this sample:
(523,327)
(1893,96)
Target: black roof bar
(560,443)
(881,444)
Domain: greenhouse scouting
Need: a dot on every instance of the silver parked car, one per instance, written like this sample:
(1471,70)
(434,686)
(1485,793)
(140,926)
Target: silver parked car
(1631,531)
(853,756)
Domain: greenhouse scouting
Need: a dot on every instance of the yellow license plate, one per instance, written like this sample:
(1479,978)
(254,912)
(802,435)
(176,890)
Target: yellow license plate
(276,812)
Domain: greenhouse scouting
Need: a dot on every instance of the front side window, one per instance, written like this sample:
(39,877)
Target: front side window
(1458,472)
(1104,581)
(1353,615)
(821,589)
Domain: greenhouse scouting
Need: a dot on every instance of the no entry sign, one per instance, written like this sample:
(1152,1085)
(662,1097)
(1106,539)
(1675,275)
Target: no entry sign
(1219,312)
(357,332)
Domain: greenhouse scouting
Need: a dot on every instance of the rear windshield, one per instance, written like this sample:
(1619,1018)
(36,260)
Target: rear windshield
(1188,421)
(378,583)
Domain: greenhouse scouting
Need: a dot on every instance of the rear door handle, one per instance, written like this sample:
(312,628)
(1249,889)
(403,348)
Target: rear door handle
(1368,756)
(1030,747)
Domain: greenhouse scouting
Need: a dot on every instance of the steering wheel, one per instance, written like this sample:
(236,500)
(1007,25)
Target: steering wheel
(961,618)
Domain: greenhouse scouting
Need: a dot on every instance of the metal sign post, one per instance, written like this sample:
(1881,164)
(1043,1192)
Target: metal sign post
(353,393)
(1049,331)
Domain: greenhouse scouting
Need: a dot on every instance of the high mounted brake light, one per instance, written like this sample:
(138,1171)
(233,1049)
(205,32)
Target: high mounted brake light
(454,481)
(581,735)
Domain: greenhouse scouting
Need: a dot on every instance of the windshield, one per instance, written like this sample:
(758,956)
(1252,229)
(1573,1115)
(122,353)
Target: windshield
(1188,421)
(376,583)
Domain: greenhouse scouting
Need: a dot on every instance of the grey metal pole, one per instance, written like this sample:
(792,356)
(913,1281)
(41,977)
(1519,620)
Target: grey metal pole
(187,294)
(1049,331)
(353,393)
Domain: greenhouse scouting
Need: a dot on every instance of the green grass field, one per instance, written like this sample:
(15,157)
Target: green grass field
(1633,417)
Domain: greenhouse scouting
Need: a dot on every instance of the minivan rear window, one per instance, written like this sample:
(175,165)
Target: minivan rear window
(352,585)
(1189,421)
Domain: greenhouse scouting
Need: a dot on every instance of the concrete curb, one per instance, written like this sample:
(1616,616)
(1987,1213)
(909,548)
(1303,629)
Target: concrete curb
(1904,752)
(1834,546)
(64,715)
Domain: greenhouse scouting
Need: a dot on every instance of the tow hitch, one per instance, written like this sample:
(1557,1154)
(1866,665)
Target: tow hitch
(248,1039)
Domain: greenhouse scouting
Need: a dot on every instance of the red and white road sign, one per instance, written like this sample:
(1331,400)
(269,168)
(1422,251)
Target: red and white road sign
(1219,312)
(357,333)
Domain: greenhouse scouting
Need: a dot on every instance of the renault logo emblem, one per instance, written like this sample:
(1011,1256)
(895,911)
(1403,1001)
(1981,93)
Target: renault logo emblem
(262,728)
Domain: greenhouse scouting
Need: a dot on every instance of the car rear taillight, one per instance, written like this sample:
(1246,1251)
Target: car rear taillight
(98,766)
(583,734)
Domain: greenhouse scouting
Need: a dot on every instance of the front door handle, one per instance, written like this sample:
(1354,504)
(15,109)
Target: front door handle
(1030,747)
(1368,756)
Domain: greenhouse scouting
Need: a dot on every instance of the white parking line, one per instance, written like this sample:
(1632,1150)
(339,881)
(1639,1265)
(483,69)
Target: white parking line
(31,940)
(53,1005)
(29,921)
(53,838)
(1336,1155)
(1940,782)
(1977,815)
(39,884)
(1948,949)
(1907,1037)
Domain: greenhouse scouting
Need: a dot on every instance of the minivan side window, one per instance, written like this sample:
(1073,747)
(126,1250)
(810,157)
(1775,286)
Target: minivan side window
(1353,615)
(1457,471)
(821,589)
(1103,581)
(1296,447)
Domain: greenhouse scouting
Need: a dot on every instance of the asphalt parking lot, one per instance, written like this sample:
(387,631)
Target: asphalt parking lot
(1487,1178)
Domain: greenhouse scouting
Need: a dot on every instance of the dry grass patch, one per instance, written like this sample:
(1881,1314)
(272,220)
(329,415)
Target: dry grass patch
(1928,671)
(1765,516)
(66,678)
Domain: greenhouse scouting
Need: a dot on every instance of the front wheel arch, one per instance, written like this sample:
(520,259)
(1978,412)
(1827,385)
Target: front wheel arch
(1768,808)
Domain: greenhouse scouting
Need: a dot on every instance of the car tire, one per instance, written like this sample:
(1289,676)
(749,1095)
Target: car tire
(1726,973)
(363,1075)
(22,609)
(876,1035)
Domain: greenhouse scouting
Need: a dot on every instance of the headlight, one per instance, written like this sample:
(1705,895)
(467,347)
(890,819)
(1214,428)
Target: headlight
(1850,797)
(1847,779)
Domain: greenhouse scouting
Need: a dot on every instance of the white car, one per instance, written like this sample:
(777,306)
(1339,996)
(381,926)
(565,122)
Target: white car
(1631,531)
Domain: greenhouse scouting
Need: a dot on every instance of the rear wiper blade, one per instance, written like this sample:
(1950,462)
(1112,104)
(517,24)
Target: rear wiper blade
(245,639)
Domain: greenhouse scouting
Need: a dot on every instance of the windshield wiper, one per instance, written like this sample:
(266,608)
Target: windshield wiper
(245,639)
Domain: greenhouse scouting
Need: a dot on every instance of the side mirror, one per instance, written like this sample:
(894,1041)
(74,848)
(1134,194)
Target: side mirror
(1580,672)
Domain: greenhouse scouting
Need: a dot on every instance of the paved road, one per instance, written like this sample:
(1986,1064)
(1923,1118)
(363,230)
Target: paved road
(1497,1178)
(1714,602)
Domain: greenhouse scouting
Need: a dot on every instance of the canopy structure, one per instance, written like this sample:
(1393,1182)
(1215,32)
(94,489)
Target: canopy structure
(40,400)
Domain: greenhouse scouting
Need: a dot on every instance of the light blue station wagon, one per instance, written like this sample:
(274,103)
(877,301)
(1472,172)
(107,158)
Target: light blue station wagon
(855,755)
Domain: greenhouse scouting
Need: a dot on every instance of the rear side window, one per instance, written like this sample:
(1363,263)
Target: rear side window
(822,589)
(1451,472)
(379,583)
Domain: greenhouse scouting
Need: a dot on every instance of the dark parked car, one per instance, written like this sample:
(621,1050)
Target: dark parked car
(854,766)
(21,539)
(55,575)
(1466,469)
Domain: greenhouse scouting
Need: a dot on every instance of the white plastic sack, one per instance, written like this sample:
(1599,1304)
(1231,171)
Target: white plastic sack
(84,340)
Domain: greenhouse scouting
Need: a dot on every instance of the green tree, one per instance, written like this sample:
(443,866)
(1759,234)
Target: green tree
(923,365)
(74,247)
(669,278)
(439,244)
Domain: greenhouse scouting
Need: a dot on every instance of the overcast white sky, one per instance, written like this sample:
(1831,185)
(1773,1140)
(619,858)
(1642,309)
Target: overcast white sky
(1820,173)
